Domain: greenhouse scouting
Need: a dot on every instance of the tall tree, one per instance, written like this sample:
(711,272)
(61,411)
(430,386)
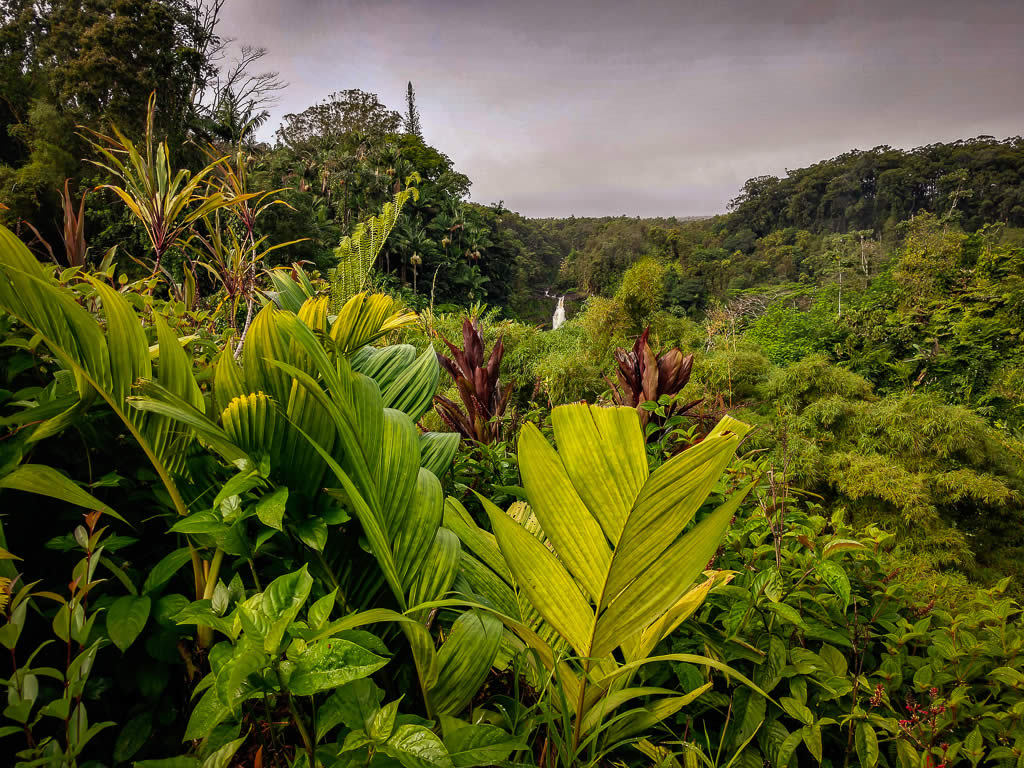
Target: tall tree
(412,115)
(341,115)
(102,59)
(91,62)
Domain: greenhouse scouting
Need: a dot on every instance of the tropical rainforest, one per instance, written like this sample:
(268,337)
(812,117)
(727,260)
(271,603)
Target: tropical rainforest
(295,471)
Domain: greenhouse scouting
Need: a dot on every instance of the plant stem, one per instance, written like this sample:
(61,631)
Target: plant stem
(206,633)
(297,718)
(245,330)
(197,571)
(211,580)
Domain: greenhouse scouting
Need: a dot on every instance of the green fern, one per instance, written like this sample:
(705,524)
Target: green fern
(357,253)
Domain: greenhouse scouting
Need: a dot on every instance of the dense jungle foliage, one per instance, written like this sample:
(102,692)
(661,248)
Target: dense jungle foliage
(293,471)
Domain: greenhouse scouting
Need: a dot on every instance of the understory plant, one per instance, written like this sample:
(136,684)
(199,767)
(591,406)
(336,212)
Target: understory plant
(645,377)
(860,671)
(483,395)
(599,567)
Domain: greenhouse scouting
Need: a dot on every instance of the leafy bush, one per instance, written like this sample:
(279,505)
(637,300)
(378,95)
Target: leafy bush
(479,384)
(786,334)
(640,292)
(821,618)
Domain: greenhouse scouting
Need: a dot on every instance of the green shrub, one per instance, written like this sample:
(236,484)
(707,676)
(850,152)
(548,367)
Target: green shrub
(860,670)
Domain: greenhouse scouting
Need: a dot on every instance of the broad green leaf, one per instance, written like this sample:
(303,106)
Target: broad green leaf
(437,451)
(867,745)
(607,482)
(645,718)
(126,618)
(650,595)
(842,545)
(438,570)
(465,660)
(133,736)
(320,611)
(382,723)
(270,508)
(480,542)
(812,740)
(47,481)
(574,531)
(164,570)
(480,744)
(183,761)
(365,318)
(238,678)
(668,501)
(330,663)
(549,586)
(281,602)
(608,704)
(417,747)
(206,715)
(416,534)
(796,710)
(788,613)
(222,757)
(312,532)
(788,748)
(407,382)
(832,574)
(353,704)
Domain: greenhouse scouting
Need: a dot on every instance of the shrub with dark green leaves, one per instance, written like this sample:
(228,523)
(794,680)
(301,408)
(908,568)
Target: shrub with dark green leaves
(859,670)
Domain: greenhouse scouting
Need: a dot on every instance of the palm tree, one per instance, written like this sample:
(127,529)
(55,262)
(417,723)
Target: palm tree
(412,241)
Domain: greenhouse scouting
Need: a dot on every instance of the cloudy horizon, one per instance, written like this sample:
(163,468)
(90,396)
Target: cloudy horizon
(651,108)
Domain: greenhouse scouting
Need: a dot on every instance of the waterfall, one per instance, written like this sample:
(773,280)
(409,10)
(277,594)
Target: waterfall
(559,317)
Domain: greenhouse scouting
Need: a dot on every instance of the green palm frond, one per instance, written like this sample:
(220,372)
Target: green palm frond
(357,253)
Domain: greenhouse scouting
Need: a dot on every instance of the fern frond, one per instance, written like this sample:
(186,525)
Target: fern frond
(5,592)
(357,253)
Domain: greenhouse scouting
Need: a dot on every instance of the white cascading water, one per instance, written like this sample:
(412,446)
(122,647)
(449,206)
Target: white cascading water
(559,317)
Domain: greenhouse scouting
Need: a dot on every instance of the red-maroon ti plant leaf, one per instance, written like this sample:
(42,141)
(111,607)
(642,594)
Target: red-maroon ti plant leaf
(483,397)
(643,376)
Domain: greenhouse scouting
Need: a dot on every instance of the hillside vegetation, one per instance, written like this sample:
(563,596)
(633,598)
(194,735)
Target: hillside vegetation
(293,471)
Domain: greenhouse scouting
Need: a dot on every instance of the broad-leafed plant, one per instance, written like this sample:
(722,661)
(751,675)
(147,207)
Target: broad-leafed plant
(480,388)
(109,361)
(643,376)
(296,406)
(609,563)
(106,360)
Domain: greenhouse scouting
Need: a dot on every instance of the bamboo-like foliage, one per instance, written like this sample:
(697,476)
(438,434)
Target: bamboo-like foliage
(612,568)
(358,252)
(483,397)
(166,203)
(643,376)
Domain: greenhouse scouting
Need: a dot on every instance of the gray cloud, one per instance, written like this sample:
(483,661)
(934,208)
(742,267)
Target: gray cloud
(652,108)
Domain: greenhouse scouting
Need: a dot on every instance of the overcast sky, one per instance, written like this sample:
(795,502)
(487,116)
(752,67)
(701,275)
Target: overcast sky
(651,108)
